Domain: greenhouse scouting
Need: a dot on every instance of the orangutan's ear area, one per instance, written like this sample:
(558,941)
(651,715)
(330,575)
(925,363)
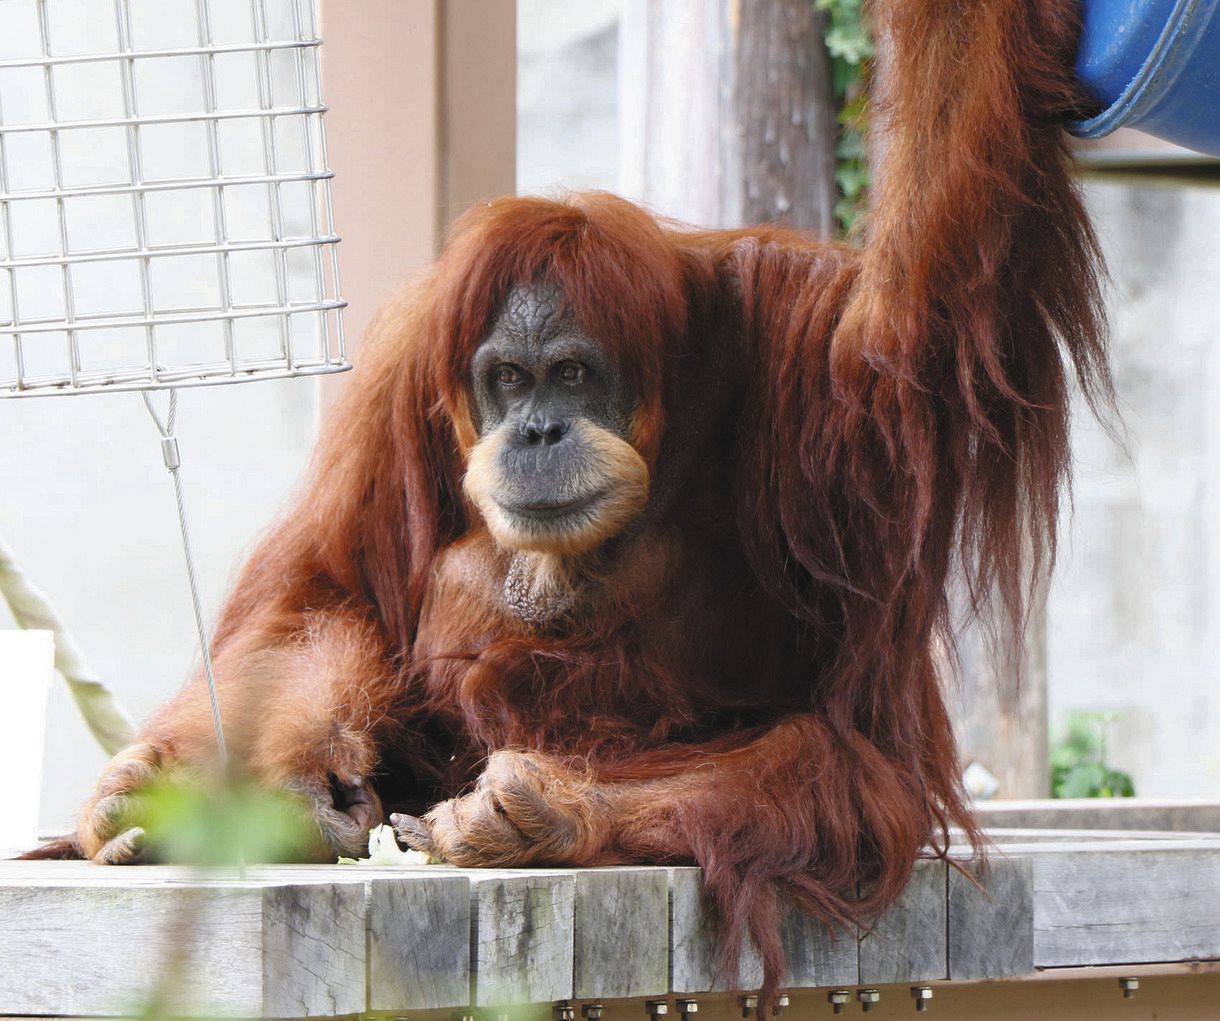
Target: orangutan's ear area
(553,470)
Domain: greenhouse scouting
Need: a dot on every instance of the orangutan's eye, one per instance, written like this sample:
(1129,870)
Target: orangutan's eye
(572,373)
(509,375)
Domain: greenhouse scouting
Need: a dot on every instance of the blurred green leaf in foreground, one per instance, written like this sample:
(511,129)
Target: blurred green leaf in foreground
(209,822)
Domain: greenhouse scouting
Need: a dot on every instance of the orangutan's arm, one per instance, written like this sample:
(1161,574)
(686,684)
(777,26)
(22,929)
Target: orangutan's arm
(775,802)
(300,714)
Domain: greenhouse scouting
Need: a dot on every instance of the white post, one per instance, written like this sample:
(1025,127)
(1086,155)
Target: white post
(27,664)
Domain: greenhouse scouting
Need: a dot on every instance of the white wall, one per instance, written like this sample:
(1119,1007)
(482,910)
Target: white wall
(1134,616)
(567,103)
(88,509)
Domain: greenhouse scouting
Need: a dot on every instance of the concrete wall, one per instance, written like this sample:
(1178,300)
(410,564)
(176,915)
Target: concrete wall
(88,510)
(567,103)
(1134,616)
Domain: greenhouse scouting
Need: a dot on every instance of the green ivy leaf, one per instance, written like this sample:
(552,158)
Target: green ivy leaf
(849,43)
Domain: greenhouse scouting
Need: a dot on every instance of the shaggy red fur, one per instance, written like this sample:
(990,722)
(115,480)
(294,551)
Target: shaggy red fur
(829,431)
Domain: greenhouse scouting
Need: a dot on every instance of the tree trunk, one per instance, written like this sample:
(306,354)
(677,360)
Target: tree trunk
(728,112)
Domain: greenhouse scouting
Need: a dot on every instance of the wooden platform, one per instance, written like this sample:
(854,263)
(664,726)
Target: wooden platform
(76,939)
(1177,814)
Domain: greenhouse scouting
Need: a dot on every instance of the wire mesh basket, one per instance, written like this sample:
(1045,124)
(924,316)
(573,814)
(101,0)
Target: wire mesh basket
(165,208)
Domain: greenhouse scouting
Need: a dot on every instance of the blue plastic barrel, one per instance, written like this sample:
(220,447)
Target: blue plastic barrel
(1153,65)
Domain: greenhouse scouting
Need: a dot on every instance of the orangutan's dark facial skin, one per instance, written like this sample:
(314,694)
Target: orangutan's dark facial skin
(554,470)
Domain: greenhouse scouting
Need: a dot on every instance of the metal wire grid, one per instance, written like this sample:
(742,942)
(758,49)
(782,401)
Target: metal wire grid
(216,266)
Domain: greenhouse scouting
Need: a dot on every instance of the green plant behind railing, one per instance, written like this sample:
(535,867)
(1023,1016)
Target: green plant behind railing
(849,42)
(1078,760)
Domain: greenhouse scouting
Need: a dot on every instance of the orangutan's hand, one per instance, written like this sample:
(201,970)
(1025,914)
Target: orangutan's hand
(105,831)
(340,803)
(526,809)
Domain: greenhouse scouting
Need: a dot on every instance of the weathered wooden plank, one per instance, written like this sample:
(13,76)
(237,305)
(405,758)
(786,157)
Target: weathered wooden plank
(621,933)
(78,872)
(1155,901)
(521,936)
(418,930)
(418,917)
(1007,836)
(419,942)
(908,943)
(264,951)
(313,950)
(229,950)
(815,955)
(991,919)
(1182,814)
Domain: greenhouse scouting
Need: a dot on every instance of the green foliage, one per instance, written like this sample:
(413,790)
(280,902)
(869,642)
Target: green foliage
(1078,760)
(851,155)
(205,822)
(848,39)
(849,42)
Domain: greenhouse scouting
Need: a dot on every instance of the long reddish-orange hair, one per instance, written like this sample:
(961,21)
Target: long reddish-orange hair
(902,412)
